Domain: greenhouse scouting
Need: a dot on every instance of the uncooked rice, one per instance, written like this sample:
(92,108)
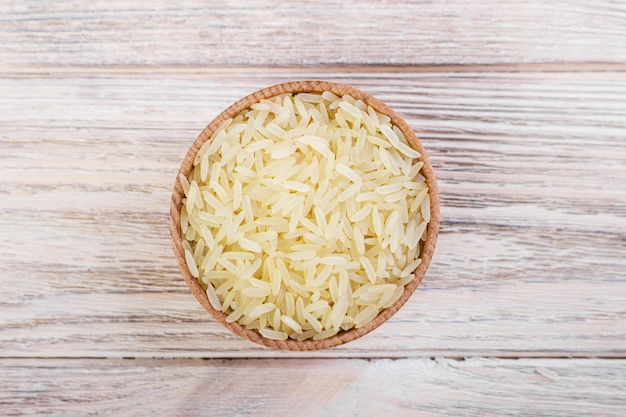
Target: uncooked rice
(305,215)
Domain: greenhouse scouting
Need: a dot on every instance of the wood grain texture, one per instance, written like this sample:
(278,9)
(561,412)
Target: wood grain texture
(100,100)
(530,259)
(336,32)
(337,387)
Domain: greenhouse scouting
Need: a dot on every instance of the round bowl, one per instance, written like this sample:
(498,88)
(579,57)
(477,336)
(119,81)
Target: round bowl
(243,104)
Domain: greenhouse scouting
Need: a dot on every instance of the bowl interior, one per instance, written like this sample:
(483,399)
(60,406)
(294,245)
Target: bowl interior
(245,103)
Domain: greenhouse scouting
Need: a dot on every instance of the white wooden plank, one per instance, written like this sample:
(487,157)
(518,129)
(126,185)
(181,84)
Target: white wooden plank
(530,261)
(310,388)
(336,32)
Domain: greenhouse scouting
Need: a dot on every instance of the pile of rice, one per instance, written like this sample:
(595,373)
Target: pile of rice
(303,216)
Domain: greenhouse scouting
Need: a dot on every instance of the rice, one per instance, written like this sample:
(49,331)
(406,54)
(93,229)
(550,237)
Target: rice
(304,216)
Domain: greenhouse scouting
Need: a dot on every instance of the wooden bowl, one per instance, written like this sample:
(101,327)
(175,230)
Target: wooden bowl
(187,165)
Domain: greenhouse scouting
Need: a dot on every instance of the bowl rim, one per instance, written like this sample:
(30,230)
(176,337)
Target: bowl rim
(295,87)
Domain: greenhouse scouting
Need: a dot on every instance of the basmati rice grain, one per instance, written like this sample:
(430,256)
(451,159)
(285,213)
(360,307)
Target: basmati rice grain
(213,299)
(426,208)
(339,312)
(191,263)
(419,230)
(184,183)
(377,222)
(349,192)
(395,296)
(362,213)
(300,310)
(198,251)
(262,309)
(390,188)
(333,260)
(210,260)
(331,229)
(297,186)
(373,116)
(365,316)
(283,150)
(306,335)
(405,280)
(250,245)
(187,246)
(325,334)
(310,98)
(350,108)
(390,134)
(191,198)
(320,218)
(348,173)
(382,288)
(275,129)
(228,301)
(302,256)
(291,323)
(273,334)
(388,162)
(252,269)
(369,269)
(390,224)
(276,319)
(410,267)
(344,282)
(204,167)
(184,222)
(403,210)
(257,146)
(408,151)
(313,321)
(358,240)
(256,292)
(236,314)
(228,265)
(381,263)
(236,194)
(190,236)
(295,217)
(329,96)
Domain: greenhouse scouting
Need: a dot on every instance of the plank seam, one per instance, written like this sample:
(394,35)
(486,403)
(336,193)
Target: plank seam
(563,67)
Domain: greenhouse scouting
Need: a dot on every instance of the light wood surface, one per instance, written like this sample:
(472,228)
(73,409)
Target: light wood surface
(314,388)
(521,106)
(308,32)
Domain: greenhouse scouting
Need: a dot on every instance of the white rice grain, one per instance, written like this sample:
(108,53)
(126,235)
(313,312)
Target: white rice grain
(273,334)
(291,323)
(348,173)
(213,298)
(350,108)
(297,186)
(262,309)
(365,316)
(426,208)
(410,267)
(390,135)
(369,269)
(250,245)
(191,263)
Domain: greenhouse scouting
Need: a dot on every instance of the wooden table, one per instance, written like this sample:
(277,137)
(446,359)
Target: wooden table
(521,105)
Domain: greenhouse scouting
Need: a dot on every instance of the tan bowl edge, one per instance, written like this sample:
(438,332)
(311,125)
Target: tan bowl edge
(233,110)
